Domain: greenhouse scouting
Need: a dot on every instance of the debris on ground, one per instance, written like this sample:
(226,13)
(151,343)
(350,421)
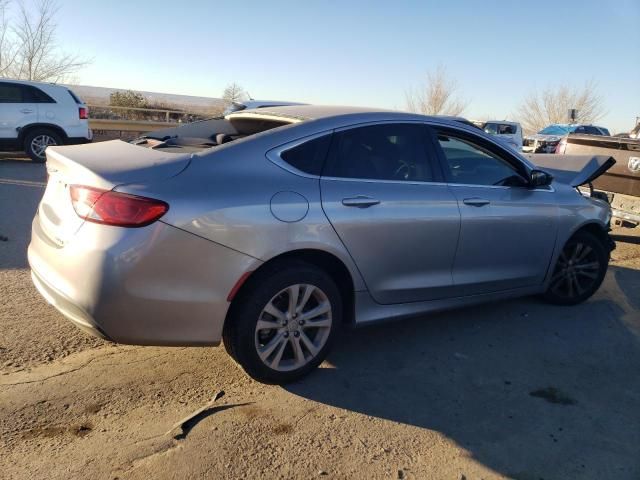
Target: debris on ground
(186,424)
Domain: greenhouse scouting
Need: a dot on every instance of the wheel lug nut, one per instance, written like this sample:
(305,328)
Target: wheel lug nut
(286,334)
(301,322)
(296,334)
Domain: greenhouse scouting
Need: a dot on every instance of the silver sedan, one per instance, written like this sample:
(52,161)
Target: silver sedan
(269,229)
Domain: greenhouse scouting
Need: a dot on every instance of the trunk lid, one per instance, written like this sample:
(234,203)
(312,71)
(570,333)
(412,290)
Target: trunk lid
(574,170)
(104,165)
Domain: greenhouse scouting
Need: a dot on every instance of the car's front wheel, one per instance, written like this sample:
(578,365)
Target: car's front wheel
(37,141)
(579,271)
(282,326)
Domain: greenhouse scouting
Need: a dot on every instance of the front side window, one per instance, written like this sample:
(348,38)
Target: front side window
(10,93)
(393,151)
(491,128)
(471,164)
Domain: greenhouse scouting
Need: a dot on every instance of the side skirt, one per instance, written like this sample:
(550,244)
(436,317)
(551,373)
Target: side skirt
(367,311)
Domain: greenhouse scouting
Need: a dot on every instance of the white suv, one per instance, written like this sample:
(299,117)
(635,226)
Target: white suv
(35,115)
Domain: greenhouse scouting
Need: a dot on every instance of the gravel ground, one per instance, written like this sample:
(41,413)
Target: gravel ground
(517,389)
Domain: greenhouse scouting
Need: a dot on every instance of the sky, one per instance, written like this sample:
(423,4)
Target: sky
(367,53)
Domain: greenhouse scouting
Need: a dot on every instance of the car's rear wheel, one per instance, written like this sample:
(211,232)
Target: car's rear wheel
(579,271)
(37,141)
(282,326)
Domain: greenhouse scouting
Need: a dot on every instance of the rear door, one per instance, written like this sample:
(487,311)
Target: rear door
(508,230)
(17,109)
(392,210)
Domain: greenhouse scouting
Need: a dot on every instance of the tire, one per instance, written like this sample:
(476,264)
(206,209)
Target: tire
(36,141)
(281,348)
(579,271)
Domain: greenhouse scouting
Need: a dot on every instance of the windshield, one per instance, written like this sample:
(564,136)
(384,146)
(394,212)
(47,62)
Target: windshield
(557,130)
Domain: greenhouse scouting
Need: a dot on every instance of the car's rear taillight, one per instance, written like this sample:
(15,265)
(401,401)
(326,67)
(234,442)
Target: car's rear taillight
(560,147)
(83,113)
(114,208)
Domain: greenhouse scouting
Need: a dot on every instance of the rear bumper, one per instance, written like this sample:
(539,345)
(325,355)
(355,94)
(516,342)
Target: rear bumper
(156,285)
(67,307)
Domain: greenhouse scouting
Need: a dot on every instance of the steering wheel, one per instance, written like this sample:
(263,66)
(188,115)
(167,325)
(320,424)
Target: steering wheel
(402,172)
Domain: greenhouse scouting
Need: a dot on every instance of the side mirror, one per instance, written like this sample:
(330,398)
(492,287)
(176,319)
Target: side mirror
(538,178)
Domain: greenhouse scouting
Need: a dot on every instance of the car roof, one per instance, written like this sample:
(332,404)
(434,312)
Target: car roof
(338,113)
(267,103)
(30,82)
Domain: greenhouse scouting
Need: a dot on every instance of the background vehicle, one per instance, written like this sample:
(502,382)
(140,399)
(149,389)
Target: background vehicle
(213,130)
(249,104)
(274,239)
(35,115)
(509,132)
(621,184)
(547,139)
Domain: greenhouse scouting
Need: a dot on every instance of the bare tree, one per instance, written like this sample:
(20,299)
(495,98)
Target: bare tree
(29,49)
(233,93)
(7,49)
(437,96)
(553,104)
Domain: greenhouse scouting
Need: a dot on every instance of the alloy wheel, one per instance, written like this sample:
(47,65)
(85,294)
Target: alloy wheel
(40,143)
(293,327)
(576,271)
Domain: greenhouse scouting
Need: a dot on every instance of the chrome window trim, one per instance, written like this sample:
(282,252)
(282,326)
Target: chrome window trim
(274,156)
(374,180)
(549,188)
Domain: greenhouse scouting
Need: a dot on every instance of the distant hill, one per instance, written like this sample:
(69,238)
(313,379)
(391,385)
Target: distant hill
(100,96)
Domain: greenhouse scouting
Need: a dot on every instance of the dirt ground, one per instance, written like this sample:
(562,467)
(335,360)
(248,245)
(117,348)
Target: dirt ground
(517,389)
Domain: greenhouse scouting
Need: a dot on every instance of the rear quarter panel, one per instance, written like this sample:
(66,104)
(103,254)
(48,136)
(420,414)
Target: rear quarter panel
(225,195)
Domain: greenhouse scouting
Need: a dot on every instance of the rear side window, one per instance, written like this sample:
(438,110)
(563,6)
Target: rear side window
(35,95)
(393,151)
(308,157)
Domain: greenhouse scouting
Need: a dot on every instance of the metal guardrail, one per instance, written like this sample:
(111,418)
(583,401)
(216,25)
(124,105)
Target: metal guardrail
(128,125)
(158,115)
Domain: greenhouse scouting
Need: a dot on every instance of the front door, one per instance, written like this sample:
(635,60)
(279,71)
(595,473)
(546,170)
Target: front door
(508,230)
(16,109)
(390,208)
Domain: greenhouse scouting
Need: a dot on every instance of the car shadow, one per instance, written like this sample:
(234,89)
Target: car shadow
(22,185)
(529,390)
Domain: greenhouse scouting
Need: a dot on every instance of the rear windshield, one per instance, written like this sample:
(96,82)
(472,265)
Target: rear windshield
(75,97)
(500,128)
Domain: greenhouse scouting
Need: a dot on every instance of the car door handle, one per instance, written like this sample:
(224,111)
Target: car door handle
(360,202)
(26,110)
(476,202)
